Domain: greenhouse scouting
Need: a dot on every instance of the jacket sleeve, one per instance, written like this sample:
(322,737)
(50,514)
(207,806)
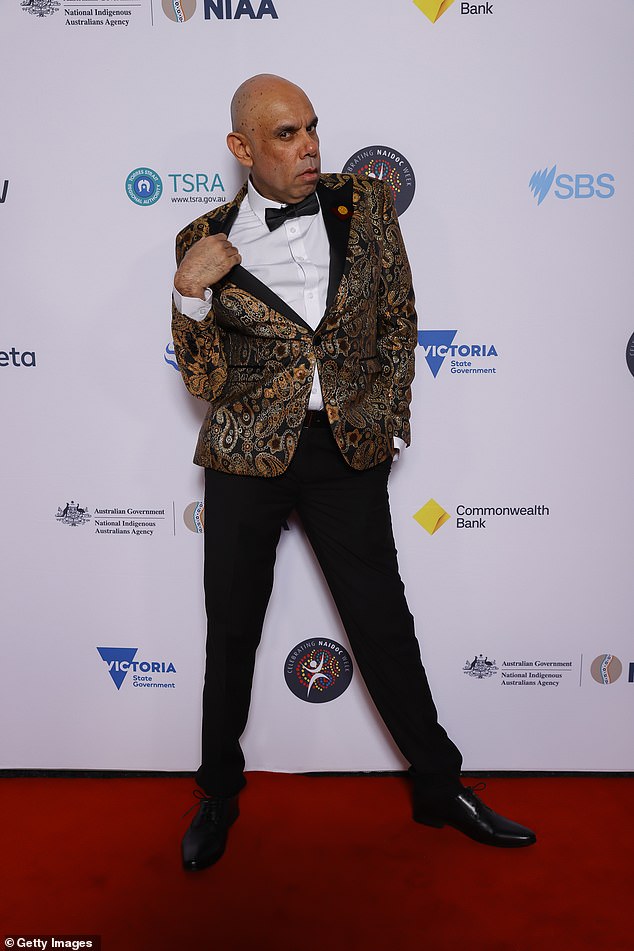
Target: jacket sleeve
(197,343)
(396,331)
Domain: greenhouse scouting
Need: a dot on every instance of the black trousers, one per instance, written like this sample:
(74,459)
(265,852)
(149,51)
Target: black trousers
(346,516)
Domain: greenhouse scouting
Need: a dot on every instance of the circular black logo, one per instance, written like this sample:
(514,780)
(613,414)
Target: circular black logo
(388,165)
(318,670)
(629,354)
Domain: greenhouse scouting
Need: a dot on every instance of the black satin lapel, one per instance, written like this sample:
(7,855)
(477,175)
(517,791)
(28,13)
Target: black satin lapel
(223,222)
(248,282)
(338,230)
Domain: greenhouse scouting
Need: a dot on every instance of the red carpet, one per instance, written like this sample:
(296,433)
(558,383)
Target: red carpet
(318,863)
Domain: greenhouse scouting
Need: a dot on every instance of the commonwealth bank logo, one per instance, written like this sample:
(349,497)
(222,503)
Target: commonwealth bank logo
(431,517)
(433,9)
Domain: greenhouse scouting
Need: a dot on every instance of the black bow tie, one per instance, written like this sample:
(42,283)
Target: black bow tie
(275,217)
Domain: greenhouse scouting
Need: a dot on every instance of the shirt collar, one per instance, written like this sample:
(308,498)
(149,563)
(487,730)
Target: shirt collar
(258,203)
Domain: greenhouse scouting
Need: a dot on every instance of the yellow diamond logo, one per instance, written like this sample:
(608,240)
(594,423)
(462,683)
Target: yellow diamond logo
(432,516)
(433,9)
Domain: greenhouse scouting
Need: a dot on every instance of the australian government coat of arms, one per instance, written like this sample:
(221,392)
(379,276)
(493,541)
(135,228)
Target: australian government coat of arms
(40,8)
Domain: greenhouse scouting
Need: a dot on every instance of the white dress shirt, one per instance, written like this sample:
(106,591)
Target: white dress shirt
(293,261)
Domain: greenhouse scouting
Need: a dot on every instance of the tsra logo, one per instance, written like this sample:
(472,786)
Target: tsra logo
(581,185)
(234,9)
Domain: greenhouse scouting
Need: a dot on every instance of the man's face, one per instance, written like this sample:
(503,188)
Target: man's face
(281,146)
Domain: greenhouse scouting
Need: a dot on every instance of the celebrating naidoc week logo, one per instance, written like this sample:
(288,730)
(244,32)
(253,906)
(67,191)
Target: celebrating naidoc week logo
(318,670)
(388,165)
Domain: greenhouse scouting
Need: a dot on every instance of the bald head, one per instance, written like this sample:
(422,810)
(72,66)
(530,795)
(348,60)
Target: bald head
(254,95)
(275,136)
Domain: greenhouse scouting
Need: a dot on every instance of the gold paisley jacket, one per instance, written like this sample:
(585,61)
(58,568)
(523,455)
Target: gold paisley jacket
(253,357)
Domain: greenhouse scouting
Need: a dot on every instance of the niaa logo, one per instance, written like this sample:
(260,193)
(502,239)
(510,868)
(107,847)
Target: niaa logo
(179,10)
(194,517)
(144,186)
(318,670)
(228,10)
(438,344)
(606,669)
(570,186)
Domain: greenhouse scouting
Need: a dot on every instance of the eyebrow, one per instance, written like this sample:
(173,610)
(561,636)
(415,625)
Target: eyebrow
(290,127)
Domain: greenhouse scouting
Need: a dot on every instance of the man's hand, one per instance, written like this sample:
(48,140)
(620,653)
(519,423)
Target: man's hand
(205,263)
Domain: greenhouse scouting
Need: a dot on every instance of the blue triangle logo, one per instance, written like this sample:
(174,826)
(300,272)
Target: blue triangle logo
(114,656)
(431,341)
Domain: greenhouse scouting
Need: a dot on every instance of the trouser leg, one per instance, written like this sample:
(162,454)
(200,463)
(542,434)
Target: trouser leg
(243,519)
(347,519)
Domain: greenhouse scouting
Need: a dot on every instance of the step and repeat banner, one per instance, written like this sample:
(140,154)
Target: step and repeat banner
(505,133)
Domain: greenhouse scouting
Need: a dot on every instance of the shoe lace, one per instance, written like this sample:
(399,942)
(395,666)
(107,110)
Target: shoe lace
(210,806)
(479,787)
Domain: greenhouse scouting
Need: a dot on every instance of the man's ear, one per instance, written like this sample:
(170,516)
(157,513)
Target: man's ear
(238,145)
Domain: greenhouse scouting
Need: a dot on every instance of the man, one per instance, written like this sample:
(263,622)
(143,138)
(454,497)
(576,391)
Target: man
(294,318)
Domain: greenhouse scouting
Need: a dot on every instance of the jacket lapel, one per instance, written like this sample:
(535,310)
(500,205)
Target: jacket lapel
(336,209)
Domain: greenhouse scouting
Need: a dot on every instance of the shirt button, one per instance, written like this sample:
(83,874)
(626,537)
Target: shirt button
(293,229)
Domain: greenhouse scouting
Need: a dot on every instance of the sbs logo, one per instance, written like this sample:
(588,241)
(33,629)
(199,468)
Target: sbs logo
(581,185)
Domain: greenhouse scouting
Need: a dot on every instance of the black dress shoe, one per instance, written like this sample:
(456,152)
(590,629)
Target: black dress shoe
(467,813)
(205,840)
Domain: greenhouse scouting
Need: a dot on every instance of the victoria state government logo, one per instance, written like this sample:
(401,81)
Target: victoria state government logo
(388,165)
(40,8)
(318,670)
(480,667)
(72,514)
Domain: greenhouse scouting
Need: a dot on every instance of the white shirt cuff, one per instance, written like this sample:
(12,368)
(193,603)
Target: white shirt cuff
(399,445)
(192,307)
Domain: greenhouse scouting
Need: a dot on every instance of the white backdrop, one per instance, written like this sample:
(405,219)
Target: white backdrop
(96,418)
